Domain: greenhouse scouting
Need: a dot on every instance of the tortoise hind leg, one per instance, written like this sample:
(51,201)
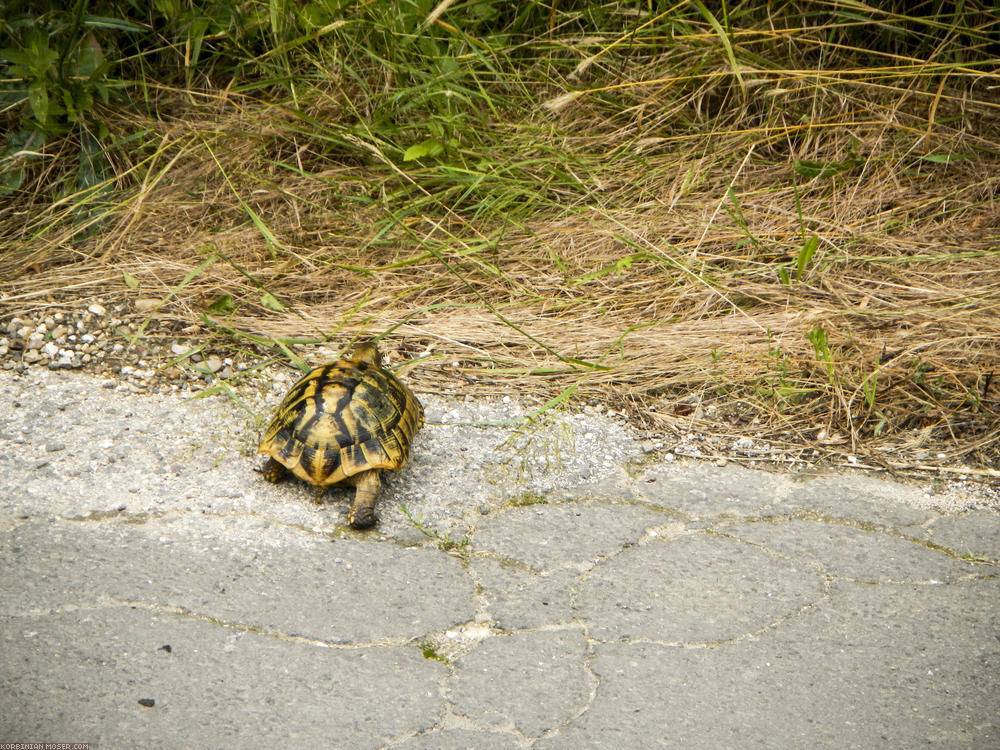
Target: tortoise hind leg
(273,471)
(362,512)
(319,489)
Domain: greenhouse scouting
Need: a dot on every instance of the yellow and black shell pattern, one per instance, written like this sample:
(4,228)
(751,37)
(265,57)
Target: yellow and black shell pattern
(344,418)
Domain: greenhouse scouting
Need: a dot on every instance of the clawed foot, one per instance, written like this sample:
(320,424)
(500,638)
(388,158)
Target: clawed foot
(361,518)
(273,471)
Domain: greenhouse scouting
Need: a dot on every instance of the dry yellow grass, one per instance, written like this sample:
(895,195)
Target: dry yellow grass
(656,269)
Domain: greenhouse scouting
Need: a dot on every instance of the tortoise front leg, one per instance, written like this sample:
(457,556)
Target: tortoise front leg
(362,512)
(274,471)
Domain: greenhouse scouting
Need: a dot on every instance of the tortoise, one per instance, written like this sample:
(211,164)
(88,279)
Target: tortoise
(344,422)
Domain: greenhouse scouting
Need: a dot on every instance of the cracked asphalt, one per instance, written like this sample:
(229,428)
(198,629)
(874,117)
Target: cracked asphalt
(540,587)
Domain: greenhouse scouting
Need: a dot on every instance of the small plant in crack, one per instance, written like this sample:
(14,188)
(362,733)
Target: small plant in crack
(976,558)
(445,541)
(429,651)
(527,498)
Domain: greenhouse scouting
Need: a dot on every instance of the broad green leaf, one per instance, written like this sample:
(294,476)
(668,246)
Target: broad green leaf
(91,56)
(812,169)
(944,158)
(316,15)
(43,57)
(821,345)
(38,100)
(430,147)
(91,172)
(271,302)
(805,255)
(224,305)
(130,281)
(617,267)
(21,59)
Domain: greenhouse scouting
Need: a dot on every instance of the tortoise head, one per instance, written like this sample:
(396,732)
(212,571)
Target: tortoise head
(367,351)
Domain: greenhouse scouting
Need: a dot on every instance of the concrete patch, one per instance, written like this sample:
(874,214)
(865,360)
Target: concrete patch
(519,599)
(570,536)
(338,591)
(460,739)
(698,588)
(855,553)
(81,675)
(700,490)
(975,534)
(532,682)
(885,666)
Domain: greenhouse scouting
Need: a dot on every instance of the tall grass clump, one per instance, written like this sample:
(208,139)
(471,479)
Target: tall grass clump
(718,216)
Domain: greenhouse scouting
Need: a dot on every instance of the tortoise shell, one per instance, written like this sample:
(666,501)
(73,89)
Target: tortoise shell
(344,418)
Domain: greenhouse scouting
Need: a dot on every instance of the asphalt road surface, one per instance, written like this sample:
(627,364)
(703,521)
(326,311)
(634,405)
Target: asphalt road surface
(546,587)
